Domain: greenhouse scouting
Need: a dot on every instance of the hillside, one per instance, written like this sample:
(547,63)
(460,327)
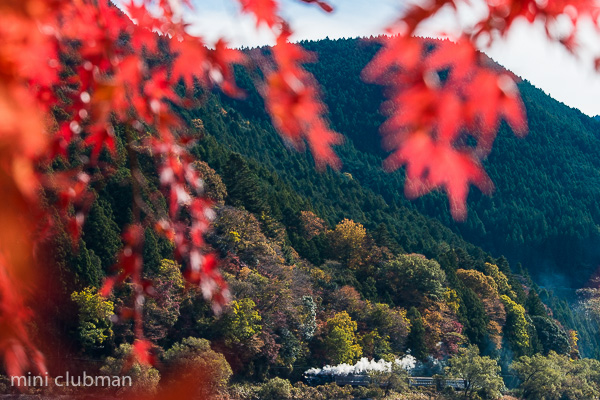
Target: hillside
(543,213)
(327,267)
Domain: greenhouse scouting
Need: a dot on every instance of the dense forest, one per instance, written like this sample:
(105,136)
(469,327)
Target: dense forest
(543,212)
(329,267)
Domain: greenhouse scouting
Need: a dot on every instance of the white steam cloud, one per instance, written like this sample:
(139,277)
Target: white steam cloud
(364,365)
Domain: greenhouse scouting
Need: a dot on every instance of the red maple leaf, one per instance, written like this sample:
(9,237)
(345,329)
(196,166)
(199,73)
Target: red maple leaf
(265,11)
(398,52)
(434,165)
(221,59)
(144,33)
(99,137)
(191,54)
(490,96)
(460,57)
(292,100)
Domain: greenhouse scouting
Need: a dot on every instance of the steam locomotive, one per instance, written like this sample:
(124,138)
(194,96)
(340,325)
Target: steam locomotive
(365,380)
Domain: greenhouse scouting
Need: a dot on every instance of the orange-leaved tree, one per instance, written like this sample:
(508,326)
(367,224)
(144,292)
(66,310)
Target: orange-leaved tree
(438,95)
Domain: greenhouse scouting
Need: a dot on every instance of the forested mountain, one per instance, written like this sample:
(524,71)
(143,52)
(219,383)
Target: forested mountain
(544,212)
(542,215)
(326,267)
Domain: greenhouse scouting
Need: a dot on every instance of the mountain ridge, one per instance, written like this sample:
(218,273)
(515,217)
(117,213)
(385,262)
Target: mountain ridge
(518,221)
(558,133)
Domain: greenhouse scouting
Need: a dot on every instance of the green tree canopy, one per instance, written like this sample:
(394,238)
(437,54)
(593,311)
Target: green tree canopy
(243,186)
(556,376)
(410,279)
(477,373)
(516,328)
(161,311)
(551,335)
(204,372)
(214,188)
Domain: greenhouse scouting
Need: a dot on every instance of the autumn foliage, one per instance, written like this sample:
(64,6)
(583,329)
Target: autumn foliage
(437,97)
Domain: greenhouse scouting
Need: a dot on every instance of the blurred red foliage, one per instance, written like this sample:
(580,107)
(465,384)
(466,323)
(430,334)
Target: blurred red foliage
(429,117)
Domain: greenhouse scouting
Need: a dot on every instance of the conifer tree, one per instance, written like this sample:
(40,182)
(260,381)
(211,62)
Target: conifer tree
(416,337)
(534,305)
(101,233)
(151,252)
(472,315)
(243,187)
(383,238)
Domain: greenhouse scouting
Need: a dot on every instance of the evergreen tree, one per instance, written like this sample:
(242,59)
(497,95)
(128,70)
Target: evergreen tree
(243,186)
(79,267)
(101,233)
(551,336)
(416,338)
(534,305)
(474,318)
(151,253)
(383,238)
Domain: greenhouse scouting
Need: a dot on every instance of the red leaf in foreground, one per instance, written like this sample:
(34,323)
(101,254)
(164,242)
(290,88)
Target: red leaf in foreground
(15,359)
(324,6)
(430,112)
(142,352)
(107,287)
(265,11)
(141,16)
(290,56)
(492,96)
(292,100)
(434,165)
(460,57)
(191,54)
(398,52)
(99,137)
(295,112)
(209,66)
(221,72)
(203,272)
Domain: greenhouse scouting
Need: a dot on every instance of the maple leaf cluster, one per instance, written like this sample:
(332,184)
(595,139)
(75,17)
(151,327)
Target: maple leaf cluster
(561,19)
(22,140)
(430,114)
(440,94)
(291,94)
(111,84)
(292,100)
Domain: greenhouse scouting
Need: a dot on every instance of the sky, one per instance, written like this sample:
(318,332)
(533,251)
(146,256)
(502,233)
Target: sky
(525,52)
